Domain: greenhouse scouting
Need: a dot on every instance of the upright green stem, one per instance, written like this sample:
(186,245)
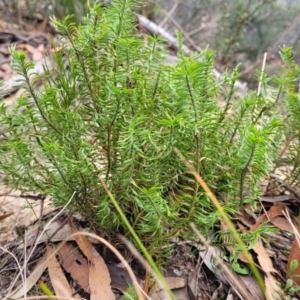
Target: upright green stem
(138,241)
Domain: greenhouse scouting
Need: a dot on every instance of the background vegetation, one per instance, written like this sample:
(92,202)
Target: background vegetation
(238,31)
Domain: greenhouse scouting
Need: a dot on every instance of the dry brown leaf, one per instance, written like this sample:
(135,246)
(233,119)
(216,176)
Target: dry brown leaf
(263,258)
(274,211)
(2,217)
(99,277)
(282,223)
(294,256)
(75,264)
(54,230)
(262,255)
(267,266)
(274,215)
(58,279)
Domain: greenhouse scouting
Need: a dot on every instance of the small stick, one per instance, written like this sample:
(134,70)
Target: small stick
(261,75)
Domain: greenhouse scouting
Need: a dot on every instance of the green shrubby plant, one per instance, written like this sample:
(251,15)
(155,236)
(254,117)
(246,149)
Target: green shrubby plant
(289,81)
(113,111)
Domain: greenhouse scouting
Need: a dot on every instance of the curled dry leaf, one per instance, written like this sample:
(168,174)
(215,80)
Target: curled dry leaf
(99,277)
(267,266)
(263,258)
(273,212)
(54,230)
(282,223)
(75,264)
(58,279)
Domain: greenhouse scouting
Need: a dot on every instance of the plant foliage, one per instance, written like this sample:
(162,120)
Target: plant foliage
(113,111)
